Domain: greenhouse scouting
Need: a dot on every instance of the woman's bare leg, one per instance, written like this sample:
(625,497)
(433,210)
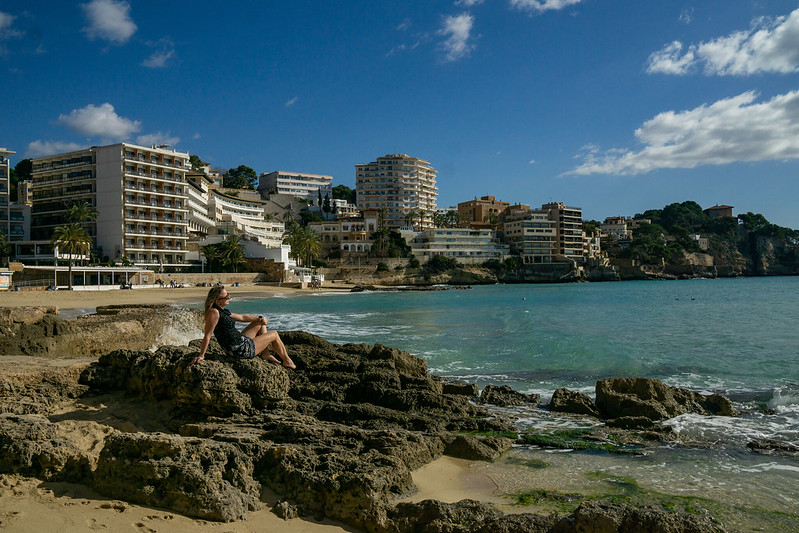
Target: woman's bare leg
(263,341)
(255,330)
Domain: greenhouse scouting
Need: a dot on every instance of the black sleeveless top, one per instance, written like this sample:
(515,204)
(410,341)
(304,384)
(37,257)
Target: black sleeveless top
(225,330)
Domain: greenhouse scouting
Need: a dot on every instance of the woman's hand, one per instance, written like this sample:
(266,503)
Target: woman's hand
(196,360)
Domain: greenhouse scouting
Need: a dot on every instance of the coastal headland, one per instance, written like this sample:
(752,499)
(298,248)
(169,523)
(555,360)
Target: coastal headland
(360,434)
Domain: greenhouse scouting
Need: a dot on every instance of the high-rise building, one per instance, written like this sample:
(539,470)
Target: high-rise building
(401,184)
(140,194)
(5,190)
(569,229)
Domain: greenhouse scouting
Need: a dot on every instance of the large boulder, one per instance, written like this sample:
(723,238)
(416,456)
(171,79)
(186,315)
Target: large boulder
(653,400)
(217,386)
(568,401)
(31,445)
(197,477)
(505,396)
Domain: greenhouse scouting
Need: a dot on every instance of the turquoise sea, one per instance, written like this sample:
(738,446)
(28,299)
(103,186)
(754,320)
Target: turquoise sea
(738,337)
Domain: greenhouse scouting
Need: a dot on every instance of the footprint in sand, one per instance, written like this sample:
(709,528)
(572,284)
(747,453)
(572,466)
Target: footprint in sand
(116,506)
(94,524)
(144,529)
(7,519)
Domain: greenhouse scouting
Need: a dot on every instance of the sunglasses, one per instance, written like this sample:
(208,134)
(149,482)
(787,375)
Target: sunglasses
(224,297)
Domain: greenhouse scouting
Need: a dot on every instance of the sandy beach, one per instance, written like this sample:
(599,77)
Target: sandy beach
(30,505)
(155,295)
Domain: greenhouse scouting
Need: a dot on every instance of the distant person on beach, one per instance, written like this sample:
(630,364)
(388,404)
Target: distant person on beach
(253,340)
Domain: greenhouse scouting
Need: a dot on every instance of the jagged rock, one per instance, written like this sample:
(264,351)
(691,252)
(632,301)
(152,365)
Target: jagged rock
(600,517)
(654,400)
(33,446)
(568,401)
(475,448)
(213,387)
(460,388)
(770,446)
(504,396)
(469,516)
(285,510)
(12,318)
(197,477)
(40,331)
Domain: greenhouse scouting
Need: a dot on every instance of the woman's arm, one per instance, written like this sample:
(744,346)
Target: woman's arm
(211,318)
(247,318)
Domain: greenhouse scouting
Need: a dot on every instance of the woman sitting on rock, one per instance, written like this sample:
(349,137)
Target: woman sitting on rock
(253,340)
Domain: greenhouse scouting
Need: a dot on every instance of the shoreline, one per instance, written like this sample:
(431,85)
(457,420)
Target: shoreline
(71,300)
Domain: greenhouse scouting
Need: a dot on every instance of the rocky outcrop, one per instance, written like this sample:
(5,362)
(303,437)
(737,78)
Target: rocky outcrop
(468,516)
(41,331)
(635,402)
(504,396)
(337,438)
(568,401)
(197,477)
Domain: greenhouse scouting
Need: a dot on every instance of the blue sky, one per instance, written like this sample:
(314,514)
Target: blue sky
(612,106)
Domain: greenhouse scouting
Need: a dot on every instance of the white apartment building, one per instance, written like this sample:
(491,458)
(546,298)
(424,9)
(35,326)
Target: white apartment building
(348,234)
(140,194)
(465,245)
(399,183)
(5,191)
(534,236)
(569,227)
(618,227)
(298,184)
(213,211)
(243,216)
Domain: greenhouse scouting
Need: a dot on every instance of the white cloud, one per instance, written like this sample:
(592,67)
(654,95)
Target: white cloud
(404,25)
(731,130)
(770,45)
(157,138)
(196,136)
(6,31)
(687,15)
(291,102)
(164,50)
(531,162)
(109,20)
(100,121)
(458,28)
(39,148)
(542,5)
(468,3)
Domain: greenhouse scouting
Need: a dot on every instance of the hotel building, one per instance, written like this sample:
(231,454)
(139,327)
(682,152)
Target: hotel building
(465,245)
(296,184)
(140,194)
(533,235)
(569,226)
(350,234)
(399,183)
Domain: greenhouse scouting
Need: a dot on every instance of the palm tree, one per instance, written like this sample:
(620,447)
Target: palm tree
(81,212)
(292,237)
(382,215)
(410,217)
(492,218)
(211,253)
(71,239)
(311,244)
(231,251)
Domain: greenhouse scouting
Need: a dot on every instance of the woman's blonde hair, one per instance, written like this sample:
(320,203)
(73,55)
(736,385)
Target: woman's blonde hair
(213,295)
